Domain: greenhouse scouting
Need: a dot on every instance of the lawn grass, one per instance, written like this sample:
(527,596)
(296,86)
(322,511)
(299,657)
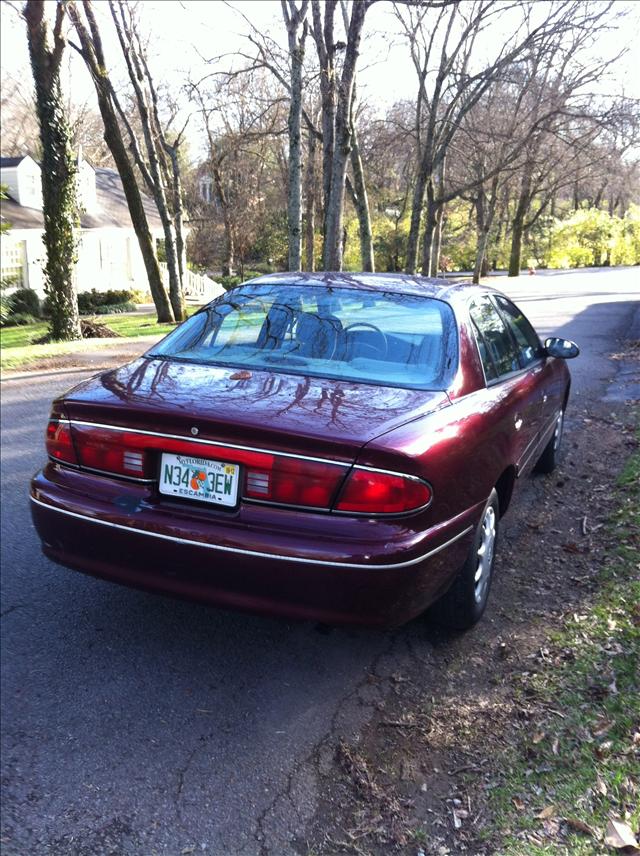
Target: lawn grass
(143,324)
(579,766)
(18,351)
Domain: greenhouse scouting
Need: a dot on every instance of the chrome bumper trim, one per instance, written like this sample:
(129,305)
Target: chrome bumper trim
(255,553)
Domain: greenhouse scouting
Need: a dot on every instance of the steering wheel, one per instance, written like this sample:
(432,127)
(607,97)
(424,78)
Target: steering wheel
(381,345)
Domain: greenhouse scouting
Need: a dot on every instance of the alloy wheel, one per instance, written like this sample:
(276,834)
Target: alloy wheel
(485,554)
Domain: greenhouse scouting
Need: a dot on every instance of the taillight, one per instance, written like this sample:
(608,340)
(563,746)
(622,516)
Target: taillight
(294,481)
(268,476)
(371,492)
(59,442)
(109,452)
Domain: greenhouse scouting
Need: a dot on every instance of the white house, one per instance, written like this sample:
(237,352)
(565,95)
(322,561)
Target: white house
(108,251)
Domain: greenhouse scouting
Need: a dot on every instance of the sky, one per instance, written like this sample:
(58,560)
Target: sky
(185,33)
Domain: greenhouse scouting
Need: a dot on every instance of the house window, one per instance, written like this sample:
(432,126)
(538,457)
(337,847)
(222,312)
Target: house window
(12,265)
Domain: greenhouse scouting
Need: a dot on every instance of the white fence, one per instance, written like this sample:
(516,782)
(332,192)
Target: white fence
(197,287)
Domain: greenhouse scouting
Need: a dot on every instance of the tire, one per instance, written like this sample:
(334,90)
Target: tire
(464,603)
(548,460)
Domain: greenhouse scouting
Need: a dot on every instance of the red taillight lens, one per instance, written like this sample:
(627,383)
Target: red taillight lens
(108,451)
(59,442)
(369,492)
(294,481)
(268,476)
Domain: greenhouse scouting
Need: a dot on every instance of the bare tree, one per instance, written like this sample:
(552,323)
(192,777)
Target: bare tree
(92,52)
(295,19)
(245,126)
(562,110)
(443,44)
(160,169)
(337,120)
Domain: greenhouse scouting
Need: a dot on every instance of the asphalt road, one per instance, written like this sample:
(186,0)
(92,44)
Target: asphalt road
(134,724)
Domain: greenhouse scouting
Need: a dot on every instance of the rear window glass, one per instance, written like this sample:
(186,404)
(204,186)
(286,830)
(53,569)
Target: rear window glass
(347,334)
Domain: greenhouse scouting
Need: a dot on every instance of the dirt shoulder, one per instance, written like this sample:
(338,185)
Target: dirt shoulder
(463,743)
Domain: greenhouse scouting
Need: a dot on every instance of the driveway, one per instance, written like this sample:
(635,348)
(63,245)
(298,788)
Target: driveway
(134,724)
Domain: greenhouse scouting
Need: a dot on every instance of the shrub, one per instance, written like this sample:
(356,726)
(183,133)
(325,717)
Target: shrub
(140,296)
(113,296)
(5,309)
(114,308)
(19,319)
(24,301)
(261,268)
(229,282)
(89,301)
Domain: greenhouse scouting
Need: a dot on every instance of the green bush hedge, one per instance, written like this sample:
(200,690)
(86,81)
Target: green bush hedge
(89,301)
(112,309)
(228,282)
(18,319)
(24,301)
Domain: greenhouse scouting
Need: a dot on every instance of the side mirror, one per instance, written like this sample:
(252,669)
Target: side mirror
(562,348)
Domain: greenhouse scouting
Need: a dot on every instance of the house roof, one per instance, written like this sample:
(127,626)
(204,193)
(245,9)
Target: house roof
(8,162)
(111,210)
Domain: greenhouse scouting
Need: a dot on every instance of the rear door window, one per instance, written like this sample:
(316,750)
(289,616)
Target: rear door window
(529,347)
(496,345)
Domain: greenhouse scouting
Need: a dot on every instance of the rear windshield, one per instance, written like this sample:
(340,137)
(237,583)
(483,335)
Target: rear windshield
(346,334)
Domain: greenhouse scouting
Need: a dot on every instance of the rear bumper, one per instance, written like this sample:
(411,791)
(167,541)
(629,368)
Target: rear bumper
(278,562)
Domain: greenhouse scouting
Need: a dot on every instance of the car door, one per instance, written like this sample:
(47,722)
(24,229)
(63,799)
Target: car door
(516,392)
(533,358)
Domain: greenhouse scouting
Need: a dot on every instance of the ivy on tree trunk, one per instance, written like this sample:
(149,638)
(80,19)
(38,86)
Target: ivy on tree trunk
(58,170)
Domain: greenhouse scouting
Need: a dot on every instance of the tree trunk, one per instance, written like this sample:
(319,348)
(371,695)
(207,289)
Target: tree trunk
(333,243)
(361,203)
(576,197)
(323,37)
(178,213)
(310,209)
(480,265)
(437,240)
(517,226)
(417,204)
(228,264)
(485,214)
(429,230)
(294,18)
(59,204)
(439,217)
(94,59)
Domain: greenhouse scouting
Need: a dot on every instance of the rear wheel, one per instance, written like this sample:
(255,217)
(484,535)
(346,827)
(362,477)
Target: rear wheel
(549,458)
(464,603)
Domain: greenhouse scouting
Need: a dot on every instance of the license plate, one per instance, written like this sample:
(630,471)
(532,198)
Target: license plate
(199,478)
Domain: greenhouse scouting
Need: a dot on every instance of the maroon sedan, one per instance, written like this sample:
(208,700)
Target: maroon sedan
(333,446)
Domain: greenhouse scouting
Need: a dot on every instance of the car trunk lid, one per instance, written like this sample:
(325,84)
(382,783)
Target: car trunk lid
(297,414)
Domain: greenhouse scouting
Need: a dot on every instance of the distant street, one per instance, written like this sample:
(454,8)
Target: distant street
(137,725)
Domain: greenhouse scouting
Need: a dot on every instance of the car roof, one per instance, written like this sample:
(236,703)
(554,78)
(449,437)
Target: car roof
(400,283)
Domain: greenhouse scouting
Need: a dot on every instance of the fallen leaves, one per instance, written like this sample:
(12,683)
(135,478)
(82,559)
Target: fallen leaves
(580,826)
(619,835)
(547,812)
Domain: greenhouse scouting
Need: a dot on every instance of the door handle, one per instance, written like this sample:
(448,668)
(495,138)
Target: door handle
(518,422)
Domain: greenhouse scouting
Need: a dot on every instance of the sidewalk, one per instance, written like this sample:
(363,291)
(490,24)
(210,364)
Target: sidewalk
(87,355)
